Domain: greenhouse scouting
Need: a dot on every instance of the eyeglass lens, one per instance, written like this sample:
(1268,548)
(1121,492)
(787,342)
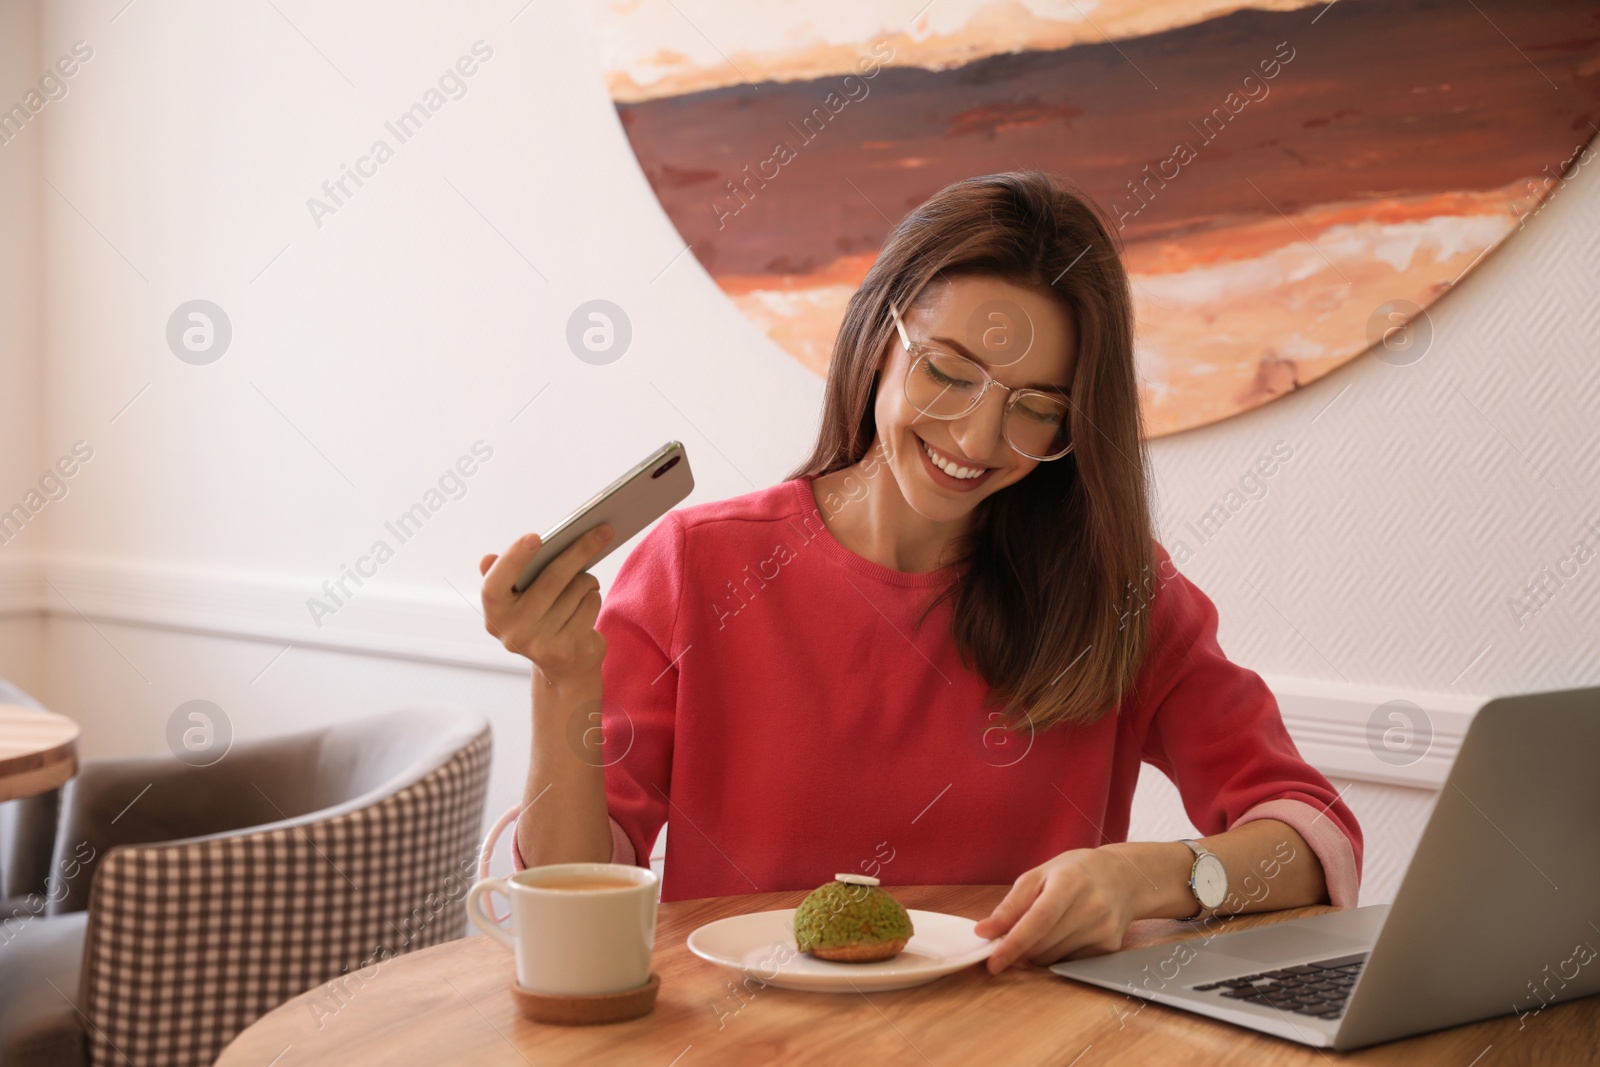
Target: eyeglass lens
(945,385)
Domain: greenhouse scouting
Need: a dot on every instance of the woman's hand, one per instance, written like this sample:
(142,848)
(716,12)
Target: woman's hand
(1078,904)
(552,621)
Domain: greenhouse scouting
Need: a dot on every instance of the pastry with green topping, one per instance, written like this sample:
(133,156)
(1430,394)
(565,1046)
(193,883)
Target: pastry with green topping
(851,920)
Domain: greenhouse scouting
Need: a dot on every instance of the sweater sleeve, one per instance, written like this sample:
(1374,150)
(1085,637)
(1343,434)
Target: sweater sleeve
(1218,734)
(638,618)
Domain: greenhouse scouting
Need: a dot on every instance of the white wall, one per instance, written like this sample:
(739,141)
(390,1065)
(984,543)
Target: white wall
(22,427)
(370,352)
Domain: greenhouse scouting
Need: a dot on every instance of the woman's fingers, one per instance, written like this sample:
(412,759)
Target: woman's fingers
(552,621)
(1035,925)
(581,625)
(1091,921)
(503,572)
(561,570)
(1093,931)
(538,597)
(562,611)
(1009,910)
(1078,941)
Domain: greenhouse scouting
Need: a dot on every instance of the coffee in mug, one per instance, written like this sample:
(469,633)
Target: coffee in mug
(583,884)
(576,928)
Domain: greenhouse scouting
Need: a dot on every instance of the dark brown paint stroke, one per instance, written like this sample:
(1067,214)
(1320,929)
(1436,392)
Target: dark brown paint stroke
(1340,122)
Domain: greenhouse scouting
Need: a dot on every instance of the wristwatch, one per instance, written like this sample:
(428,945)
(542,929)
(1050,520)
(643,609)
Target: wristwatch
(1208,880)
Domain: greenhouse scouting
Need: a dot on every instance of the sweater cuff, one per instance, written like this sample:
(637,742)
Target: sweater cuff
(1326,840)
(621,848)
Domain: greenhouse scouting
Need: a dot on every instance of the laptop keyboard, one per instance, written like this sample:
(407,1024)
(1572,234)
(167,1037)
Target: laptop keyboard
(1320,988)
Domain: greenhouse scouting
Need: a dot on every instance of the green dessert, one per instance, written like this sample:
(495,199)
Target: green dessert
(851,920)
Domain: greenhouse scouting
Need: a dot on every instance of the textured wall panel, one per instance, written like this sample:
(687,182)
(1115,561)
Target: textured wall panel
(1419,503)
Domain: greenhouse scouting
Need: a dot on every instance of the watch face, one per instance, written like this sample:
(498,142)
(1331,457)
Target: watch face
(1210,881)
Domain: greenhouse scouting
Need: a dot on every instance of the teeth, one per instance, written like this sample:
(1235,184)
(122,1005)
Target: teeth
(949,468)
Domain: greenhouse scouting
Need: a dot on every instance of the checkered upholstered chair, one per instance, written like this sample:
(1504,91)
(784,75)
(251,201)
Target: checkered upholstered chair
(216,893)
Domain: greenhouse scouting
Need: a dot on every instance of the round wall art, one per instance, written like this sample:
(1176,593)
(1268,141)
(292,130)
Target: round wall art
(1290,181)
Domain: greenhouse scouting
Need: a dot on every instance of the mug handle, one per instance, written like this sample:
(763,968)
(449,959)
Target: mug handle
(487,851)
(485,921)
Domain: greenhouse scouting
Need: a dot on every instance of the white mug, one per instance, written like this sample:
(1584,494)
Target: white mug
(575,941)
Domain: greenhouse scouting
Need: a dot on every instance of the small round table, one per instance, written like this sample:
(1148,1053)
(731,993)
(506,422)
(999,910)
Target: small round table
(451,1004)
(38,751)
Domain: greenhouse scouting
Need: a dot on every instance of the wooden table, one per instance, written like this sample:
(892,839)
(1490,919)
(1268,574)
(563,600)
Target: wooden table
(38,751)
(450,1005)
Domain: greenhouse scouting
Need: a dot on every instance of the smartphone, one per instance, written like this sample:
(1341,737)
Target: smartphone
(627,505)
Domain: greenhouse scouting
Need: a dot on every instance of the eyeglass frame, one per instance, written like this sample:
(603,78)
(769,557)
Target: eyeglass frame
(1015,392)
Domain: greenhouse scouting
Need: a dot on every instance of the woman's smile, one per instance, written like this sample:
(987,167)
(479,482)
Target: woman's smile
(955,474)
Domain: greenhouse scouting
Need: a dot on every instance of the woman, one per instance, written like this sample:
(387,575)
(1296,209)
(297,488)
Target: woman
(938,652)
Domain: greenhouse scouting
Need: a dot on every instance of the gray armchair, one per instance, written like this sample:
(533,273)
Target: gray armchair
(214,894)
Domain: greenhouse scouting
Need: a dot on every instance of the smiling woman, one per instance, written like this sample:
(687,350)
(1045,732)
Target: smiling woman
(981,569)
(966,281)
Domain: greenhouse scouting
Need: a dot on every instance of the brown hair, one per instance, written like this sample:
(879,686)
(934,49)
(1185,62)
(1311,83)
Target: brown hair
(1048,605)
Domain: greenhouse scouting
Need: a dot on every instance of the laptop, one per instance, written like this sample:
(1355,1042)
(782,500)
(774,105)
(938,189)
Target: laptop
(1498,912)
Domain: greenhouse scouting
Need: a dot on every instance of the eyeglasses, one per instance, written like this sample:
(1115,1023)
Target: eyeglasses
(943,384)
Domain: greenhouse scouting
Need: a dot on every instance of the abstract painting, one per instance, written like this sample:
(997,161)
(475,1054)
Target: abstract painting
(1290,181)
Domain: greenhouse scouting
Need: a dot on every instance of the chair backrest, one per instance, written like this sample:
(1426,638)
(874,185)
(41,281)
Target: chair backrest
(138,800)
(190,941)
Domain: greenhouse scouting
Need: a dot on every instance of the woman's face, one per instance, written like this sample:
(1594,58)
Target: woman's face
(1022,338)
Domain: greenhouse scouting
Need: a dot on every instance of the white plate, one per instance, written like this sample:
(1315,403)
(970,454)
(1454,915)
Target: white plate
(754,944)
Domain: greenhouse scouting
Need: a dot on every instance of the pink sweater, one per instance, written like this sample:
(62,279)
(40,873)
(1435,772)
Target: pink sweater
(766,691)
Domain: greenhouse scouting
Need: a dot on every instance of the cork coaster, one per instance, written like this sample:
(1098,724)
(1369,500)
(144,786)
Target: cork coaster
(583,1010)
